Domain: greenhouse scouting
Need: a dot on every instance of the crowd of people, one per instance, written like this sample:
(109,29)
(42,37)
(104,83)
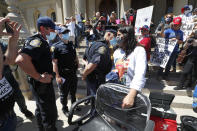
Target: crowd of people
(113,54)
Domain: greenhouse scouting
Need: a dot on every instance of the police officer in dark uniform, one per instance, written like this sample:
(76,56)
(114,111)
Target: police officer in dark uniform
(35,60)
(20,100)
(98,64)
(65,64)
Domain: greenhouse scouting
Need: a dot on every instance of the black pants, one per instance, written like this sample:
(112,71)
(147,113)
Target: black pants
(189,71)
(69,86)
(93,82)
(46,110)
(19,98)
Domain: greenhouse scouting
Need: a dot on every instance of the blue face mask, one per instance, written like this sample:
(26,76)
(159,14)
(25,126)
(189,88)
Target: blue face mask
(65,36)
(51,36)
(113,41)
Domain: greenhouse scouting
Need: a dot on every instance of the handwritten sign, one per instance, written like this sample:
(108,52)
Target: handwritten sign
(163,51)
(5,89)
(187,26)
(143,17)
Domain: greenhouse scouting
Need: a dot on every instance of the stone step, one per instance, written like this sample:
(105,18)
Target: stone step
(183,102)
(180,112)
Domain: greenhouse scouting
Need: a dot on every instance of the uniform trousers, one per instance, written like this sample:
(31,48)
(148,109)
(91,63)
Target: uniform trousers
(69,86)
(46,110)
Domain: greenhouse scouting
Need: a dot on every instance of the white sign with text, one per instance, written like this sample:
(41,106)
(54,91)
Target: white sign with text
(143,17)
(162,52)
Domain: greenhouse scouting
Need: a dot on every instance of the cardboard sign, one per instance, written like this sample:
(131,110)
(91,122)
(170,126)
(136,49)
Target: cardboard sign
(143,17)
(5,89)
(187,29)
(163,51)
(187,26)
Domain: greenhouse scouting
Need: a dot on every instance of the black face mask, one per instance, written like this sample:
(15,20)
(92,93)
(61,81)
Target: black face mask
(119,40)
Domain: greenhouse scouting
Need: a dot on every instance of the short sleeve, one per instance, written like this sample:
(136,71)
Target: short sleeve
(96,58)
(54,52)
(33,49)
(166,33)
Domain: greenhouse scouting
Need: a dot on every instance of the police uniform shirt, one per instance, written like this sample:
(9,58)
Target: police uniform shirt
(6,90)
(98,53)
(38,49)
(65,53)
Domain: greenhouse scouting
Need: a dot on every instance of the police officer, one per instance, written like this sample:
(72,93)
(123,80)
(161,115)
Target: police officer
(65,64)
(35,60)
(17,92)
(98,64)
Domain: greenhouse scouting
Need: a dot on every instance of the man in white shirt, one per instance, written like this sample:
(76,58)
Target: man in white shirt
(70,23)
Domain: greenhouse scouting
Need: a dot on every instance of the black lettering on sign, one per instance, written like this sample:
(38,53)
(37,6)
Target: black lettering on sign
(5,88)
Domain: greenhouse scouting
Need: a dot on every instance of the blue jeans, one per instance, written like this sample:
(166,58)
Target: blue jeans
(10,123)
(169,64)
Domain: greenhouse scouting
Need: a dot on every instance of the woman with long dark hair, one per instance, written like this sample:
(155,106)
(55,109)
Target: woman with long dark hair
(130,62)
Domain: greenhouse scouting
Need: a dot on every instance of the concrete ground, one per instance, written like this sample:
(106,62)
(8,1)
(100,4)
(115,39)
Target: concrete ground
(25,124)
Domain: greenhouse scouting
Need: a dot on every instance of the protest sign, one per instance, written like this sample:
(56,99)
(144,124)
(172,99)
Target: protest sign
(162,52)
(187,29)
(143,17)
(187,26)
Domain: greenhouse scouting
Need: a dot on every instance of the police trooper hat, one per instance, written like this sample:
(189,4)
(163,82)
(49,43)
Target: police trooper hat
(112,29)
(63,30)
(46,22)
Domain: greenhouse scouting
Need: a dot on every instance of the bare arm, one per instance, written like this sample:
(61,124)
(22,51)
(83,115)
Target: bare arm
(24,61)
(128,101)
(55,69)
(11,52)
(88,69)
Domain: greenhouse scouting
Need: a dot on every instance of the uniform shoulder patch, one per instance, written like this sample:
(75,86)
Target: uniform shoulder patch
(35,43)
(102,50)
(52,48)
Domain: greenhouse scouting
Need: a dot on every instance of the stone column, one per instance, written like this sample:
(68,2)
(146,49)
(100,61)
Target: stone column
(80,7)
(59,11)
(118,8)
(178,5)
(125,5)
(158,10)
(91,8)
(67,8)
(15,15)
